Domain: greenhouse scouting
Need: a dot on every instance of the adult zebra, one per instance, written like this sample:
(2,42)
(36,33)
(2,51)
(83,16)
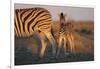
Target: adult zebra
(31,20)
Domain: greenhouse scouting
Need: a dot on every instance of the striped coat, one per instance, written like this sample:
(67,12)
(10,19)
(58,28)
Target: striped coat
(65,35)
(30,20)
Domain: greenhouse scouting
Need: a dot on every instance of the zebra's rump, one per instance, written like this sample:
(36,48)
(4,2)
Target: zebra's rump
(28,20)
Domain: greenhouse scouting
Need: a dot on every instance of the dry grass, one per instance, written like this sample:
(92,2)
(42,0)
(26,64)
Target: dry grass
(27,49)
(84,42)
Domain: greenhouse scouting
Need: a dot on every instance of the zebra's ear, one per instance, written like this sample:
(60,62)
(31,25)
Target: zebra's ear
(58,14)
(65,14)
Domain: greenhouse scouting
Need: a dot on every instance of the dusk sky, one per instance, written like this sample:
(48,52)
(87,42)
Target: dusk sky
(75,13)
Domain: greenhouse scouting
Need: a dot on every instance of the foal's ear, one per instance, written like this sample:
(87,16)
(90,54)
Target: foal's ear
(65,14)
(59,13)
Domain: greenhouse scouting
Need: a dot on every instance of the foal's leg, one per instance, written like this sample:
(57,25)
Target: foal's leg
(65,43)
(59,44)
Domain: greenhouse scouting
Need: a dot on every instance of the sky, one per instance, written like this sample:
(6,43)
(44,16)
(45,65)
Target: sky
(74,13)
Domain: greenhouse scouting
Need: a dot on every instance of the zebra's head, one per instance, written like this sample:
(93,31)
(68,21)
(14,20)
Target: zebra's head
(62,20)
(65,22)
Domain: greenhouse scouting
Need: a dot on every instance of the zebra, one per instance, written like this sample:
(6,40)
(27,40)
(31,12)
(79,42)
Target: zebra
(27,21)
(65,35)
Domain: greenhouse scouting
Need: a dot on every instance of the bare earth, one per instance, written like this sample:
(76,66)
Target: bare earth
(27,49)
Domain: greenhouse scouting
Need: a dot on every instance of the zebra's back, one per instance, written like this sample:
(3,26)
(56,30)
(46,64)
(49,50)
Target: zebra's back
(28,20)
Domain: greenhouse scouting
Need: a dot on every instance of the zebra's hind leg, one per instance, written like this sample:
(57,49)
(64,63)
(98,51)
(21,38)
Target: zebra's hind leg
(52,41)
(44,44)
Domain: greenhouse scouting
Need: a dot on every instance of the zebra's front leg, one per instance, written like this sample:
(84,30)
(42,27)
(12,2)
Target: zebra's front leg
(52,41)
(44,44)
(59,45)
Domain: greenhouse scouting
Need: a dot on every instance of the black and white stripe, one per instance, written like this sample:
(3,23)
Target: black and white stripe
(30,20)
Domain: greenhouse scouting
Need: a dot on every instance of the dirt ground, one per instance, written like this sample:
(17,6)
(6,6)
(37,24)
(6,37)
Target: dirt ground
(27,49)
